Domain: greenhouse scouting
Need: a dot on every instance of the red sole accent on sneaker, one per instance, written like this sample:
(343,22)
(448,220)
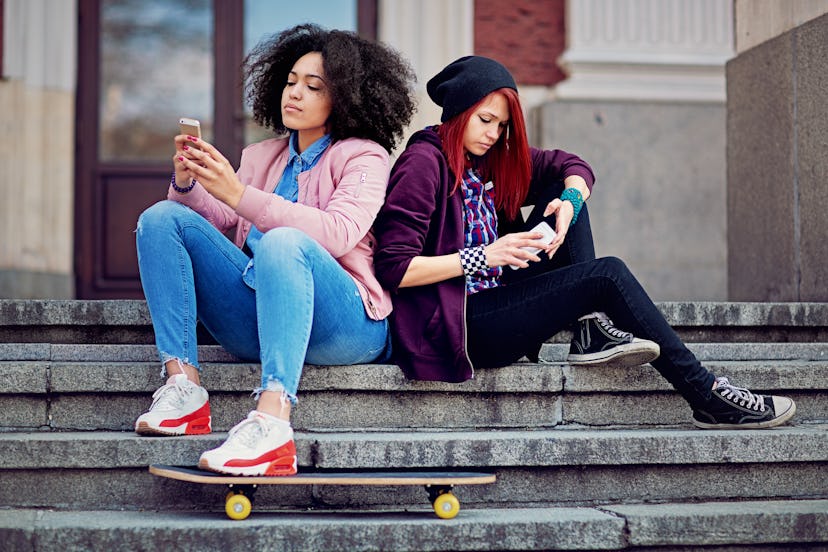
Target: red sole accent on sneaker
(201,426)
(282,466)
(198,427)
(273,457)
(194,417)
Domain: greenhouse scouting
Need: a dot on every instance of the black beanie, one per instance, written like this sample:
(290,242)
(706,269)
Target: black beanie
(466,81)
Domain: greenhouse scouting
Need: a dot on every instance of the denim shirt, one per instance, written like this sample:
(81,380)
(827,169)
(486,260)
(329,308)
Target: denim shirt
(288,188)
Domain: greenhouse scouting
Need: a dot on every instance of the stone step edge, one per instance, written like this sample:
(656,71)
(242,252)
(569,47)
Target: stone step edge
(53,378)
(430,449)
(125,312)
(551,352)
(612,527)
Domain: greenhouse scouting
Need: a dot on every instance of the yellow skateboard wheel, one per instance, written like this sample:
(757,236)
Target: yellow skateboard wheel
(446,506)
(238,507)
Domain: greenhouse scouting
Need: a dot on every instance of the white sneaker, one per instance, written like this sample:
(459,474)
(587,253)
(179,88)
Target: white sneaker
(260,445)
(178,408)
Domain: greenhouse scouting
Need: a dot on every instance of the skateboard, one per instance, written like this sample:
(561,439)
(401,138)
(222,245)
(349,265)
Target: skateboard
(239,499)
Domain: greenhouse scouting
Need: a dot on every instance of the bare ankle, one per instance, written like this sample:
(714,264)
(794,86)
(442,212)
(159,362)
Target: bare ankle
(175,367)
(274,403)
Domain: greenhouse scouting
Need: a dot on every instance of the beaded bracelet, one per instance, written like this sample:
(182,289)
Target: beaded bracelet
(473,259)
(182,190)
(573,195)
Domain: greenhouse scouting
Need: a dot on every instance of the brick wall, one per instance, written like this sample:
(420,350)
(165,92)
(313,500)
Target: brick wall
(527,36)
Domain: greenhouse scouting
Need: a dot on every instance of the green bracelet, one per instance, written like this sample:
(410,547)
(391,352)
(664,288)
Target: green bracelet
(573,195)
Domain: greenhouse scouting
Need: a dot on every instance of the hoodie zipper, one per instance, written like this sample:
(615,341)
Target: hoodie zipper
(466,330)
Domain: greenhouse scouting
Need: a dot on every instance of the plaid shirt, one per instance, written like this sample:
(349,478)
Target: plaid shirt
(480,227)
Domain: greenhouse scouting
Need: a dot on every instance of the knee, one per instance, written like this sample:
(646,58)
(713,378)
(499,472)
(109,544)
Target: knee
(613,264)
(162,214)
(283,243)
(613,268)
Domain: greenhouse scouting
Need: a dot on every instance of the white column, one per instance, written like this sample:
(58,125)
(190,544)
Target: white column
(37,145)
(672,50)
(430,34)
(40,42)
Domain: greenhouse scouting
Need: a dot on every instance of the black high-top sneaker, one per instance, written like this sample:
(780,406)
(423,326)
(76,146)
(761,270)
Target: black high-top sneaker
(732,407)
(596,342)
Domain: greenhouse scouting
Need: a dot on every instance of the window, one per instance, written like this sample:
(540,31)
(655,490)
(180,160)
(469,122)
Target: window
(156,66)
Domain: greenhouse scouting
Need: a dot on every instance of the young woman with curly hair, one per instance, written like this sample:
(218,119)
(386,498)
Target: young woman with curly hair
(296,284)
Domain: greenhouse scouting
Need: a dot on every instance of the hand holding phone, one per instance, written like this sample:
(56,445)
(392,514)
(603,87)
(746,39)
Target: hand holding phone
(190,127)
(548,235)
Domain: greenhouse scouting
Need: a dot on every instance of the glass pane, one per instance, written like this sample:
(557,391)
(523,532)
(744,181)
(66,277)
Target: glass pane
(156,67)
(263,18)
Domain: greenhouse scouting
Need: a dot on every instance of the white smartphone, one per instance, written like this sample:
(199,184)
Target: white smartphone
(548,235)
(190,127)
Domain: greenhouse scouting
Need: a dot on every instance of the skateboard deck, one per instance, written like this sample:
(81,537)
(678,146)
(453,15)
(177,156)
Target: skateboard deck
(238,503)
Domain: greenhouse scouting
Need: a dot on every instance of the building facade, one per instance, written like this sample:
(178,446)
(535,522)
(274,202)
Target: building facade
(91,90)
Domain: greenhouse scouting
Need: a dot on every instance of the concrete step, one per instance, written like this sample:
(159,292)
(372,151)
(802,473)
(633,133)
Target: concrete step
(564,467)
(716,526)
(67,395)
(128,321)
(576,451)
(551,352)
(60,387)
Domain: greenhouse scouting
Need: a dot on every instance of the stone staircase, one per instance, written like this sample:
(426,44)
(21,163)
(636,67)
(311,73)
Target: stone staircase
(586,459)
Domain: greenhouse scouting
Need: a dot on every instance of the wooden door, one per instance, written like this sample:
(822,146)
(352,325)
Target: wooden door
(143,64)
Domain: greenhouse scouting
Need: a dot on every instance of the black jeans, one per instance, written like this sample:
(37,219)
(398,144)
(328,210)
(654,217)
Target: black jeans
(507,322)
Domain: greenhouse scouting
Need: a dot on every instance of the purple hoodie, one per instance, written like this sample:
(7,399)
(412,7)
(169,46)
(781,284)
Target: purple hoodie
(421,217)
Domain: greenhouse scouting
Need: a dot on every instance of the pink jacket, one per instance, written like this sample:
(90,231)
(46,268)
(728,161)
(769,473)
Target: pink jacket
(338,201)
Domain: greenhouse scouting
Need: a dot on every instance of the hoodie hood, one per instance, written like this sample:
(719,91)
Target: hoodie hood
(428,136)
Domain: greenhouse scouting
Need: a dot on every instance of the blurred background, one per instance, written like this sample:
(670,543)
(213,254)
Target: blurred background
(705,122)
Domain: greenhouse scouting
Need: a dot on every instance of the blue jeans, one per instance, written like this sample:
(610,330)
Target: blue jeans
(301,306)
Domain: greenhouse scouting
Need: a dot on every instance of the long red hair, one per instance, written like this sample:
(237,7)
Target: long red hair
(507,163)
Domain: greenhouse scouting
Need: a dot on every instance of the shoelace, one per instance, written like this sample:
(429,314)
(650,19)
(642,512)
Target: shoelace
(248,432)
(169,396)
(744,397)
(606,323)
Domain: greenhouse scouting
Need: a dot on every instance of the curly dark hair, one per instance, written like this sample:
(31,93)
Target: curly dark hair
(370,84)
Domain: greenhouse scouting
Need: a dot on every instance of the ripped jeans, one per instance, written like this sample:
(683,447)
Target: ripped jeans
(304,308)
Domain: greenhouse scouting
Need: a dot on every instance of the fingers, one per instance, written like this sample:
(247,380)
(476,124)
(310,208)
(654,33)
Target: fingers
(552,207)
(211,169)
(208,149)
(180,140)
(180,166)
(561,227)
(531,240)
(203,150)
(511,249)
(204,161)
(552,249)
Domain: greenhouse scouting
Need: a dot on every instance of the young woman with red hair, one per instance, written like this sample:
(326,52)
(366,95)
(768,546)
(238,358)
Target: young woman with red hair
(463,200)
